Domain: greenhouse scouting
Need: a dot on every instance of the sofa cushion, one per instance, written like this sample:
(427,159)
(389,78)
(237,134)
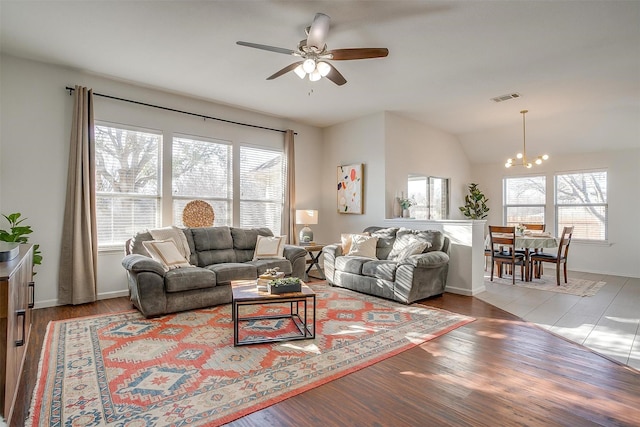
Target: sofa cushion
(212,238)
(351,264)
(380,269)
(229,271)
(434,237)
(189,278)
(407,244)
(218,256)
(386,237)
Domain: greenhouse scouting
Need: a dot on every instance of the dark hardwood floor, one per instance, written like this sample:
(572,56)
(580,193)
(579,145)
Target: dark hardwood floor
(496,371)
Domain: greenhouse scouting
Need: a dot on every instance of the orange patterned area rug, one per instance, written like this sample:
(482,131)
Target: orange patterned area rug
(182,369)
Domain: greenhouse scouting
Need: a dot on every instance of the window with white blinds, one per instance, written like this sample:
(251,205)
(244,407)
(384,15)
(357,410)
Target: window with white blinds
(202,169)
(581,202)
(431,197)
(127,182)
(262,175)
(524,200)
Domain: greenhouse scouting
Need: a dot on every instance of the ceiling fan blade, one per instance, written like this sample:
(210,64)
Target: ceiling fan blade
(357,53)
(335,76)
(318,31)
(284,70)
(269,48)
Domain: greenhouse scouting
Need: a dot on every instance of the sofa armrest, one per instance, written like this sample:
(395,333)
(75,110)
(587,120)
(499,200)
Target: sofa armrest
(433,259)
(292,252)
(136,263)
(329,255)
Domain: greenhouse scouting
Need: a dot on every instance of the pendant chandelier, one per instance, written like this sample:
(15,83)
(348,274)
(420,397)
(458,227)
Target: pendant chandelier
(521,158)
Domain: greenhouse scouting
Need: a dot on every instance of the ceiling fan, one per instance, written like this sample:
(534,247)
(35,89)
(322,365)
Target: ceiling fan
(314,54)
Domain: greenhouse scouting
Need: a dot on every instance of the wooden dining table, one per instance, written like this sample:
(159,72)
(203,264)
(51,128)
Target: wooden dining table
(530,241)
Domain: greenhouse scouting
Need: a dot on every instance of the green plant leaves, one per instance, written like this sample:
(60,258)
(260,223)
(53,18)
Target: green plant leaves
(475,203)
(17,234)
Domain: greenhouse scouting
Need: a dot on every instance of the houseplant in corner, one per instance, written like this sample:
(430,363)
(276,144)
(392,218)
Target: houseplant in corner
(406,204)
(17,234)
(475,203)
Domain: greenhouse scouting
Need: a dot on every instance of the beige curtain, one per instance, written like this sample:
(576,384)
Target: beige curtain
(79,253)
(289,211)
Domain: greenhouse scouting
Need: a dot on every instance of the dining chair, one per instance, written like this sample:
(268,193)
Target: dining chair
(560,258)
(534,227)
(505,238)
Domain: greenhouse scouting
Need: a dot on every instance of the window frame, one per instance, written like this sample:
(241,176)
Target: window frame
(557,206)
(117,246)
(429,206)
(280,202)
(506,206)
(230,178)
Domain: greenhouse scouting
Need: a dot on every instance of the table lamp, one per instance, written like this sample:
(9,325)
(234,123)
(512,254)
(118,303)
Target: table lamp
(306,217)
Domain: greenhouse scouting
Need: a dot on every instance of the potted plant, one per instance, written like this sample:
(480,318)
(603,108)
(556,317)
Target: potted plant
(17,234)
(406,204)
(475,206)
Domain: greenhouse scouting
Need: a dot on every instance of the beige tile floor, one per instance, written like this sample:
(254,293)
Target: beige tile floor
(608,323)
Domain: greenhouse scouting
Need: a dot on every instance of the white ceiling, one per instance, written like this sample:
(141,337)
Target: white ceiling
(575,63)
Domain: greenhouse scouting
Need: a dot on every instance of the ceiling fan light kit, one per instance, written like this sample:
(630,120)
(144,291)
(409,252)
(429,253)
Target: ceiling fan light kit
(521,158)
(314,54)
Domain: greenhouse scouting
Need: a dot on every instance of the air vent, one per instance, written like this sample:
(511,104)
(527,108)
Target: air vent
(506,97)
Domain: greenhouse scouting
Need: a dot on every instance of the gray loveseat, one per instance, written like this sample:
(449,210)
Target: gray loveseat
(417,277)
(218,255)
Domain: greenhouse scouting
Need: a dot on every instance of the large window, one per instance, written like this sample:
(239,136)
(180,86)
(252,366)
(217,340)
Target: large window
(262,173)
(127,183)
(524,200)
(431,197)
(202,170)
(581,202)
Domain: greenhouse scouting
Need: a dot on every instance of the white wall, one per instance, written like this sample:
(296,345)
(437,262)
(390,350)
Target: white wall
(34,146)
(391,147)
(620,255)
(413,147)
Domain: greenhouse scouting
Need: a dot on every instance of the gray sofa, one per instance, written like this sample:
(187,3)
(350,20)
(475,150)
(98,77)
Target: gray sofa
(218,255)
(414,278)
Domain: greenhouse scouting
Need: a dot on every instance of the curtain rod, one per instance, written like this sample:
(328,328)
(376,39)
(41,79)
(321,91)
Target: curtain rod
(71,89)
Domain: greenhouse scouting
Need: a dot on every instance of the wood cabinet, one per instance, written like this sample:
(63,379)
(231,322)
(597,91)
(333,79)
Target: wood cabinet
(16,302)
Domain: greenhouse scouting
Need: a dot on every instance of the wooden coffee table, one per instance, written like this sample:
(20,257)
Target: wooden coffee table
(245,293)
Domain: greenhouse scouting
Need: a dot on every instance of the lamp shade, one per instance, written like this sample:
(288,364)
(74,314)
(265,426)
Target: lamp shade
(306,217)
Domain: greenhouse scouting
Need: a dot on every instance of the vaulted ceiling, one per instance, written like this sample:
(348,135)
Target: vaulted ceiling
(576,64)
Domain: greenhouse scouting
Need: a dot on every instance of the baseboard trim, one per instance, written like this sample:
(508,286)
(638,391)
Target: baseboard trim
(465,291)
(101,296)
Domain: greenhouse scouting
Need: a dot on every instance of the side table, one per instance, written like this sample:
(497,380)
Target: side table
(314,250)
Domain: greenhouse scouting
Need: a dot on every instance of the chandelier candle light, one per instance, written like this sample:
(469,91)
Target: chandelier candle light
(522,157)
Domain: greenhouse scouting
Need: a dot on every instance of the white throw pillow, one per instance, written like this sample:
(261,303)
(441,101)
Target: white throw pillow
(175,234)
(346,239)
(166,253)
(410,249)
(364,246)
(269,247)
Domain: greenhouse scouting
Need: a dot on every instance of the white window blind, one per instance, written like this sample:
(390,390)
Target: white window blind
(431,197)
(127,187)
(202,170)
(581,202)
(262,173)
(524,200)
